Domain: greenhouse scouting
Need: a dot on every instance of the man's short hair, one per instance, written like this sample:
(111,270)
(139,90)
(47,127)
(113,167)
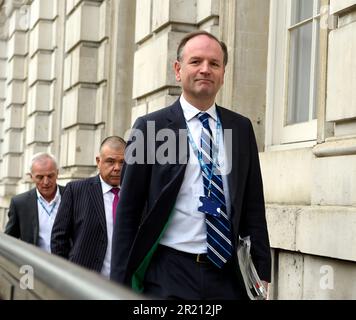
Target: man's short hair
(194,34)
(40,156)
(114,142)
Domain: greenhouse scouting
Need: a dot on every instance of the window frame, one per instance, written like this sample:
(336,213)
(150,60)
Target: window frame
(278,133)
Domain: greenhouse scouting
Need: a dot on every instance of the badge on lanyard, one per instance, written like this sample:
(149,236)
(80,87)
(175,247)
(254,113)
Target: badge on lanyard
(210,207)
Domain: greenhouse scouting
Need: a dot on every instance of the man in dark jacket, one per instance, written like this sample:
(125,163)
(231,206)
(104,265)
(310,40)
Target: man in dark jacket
(179,222)
(83,228)
(32,213)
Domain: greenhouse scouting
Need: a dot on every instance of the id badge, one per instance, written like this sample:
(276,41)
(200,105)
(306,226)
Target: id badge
(209,206)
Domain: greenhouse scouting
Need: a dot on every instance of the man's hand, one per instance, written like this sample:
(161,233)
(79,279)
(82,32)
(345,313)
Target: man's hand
(265,284)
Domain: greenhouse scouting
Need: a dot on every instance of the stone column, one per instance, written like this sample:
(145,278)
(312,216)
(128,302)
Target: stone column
(13,88)
(42,78)
(15,96)
(122,49)
(244,29)
(3,72)
(85,97)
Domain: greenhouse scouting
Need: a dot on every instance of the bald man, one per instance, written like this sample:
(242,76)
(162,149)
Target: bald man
(82,231)
(32,213)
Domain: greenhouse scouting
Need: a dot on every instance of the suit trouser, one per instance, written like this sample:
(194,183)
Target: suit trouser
(175,274)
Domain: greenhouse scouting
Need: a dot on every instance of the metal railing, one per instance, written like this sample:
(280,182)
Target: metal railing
(27,272)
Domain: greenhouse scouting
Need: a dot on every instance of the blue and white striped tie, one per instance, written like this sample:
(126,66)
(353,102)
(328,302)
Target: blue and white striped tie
(218,228)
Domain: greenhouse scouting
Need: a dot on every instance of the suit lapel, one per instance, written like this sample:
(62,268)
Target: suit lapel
(97,201)
(172,173)
(231,150)
(61,189)
(176,122)
(33,214)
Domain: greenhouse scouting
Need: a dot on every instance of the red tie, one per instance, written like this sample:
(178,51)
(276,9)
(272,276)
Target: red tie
(115,191)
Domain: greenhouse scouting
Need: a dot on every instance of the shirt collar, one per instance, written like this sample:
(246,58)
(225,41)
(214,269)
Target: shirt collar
(104,186)
(190,111)
(56,197)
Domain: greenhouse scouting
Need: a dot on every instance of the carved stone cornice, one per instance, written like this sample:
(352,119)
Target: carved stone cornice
(11,5)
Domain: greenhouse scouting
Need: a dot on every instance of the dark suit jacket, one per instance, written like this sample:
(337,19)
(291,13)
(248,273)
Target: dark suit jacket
(79,231)
(23,216)
(148,194)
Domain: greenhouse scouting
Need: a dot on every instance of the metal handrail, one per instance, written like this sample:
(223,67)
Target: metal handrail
(54,277)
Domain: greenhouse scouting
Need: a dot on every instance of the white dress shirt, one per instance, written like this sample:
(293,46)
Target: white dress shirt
(47,212)
(187,228)
(108,197)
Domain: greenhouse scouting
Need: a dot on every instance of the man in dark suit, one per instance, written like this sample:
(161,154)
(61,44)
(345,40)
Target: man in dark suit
(82,231)
(32,213)
(179,222)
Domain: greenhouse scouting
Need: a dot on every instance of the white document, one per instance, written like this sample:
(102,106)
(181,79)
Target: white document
(254,286)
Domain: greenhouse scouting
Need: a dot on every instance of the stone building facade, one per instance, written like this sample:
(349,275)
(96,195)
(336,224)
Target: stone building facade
(75,71)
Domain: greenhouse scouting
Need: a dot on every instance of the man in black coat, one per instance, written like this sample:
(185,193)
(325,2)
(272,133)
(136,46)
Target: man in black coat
(179,221)
(32,213)
(82,231)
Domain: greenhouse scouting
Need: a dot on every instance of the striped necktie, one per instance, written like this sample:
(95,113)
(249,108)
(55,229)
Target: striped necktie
(218,228)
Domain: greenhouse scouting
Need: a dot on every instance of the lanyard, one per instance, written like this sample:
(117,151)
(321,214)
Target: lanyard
(44,206)
(215,152)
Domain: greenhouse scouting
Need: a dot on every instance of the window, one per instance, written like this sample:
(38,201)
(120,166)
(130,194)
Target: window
(303,63)
(293,72)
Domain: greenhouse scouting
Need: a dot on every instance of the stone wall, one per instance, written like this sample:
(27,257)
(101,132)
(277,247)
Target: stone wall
(310,191)
(85,69)
(75,71)
(65,83)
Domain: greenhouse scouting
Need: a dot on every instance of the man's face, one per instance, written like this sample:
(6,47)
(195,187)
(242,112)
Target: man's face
(201,69)
(44,174)
(109,163)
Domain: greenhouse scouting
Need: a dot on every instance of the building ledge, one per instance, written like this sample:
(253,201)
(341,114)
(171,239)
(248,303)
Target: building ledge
(336,147)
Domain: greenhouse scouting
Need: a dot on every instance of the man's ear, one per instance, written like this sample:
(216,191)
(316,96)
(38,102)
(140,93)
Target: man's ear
(177,68)
(97,160)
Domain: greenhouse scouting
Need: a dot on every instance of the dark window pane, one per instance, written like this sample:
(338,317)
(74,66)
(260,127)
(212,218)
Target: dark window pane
(303,9)
(299,74)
